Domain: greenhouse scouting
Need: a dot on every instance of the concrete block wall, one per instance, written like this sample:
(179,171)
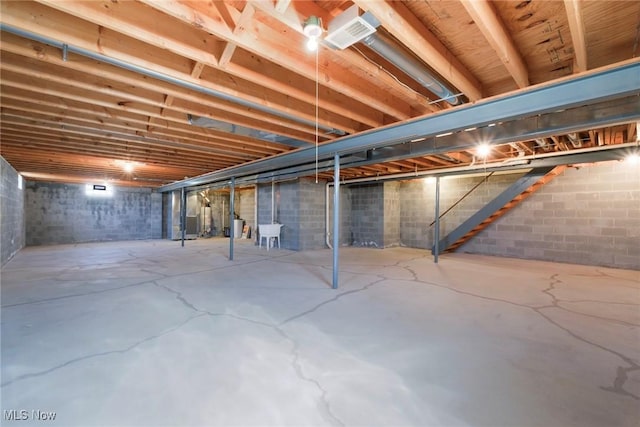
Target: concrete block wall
(155,217)
(12,212)
(64,213)
(367,215)
(264,203)
(373,214)
(299,206)
(416,213)
(345,215)
(346,236)
(312,214)
(245,206)
(288,213)
(589,215)
(391,216)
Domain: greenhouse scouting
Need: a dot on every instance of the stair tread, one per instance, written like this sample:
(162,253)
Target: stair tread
(542,180)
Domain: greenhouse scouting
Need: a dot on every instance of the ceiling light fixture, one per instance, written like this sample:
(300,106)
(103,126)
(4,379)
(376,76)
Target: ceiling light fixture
(312,28)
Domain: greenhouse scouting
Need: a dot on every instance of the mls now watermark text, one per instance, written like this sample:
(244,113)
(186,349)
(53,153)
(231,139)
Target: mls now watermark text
(24,415)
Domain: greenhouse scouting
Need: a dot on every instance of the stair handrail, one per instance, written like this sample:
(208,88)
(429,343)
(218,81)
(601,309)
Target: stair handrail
(462,198)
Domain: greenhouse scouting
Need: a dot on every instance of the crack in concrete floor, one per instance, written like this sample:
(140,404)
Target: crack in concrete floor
(621,372)
(100,354)
(59,278)
(618,384)
(295,361)
(295,356)
(333,299)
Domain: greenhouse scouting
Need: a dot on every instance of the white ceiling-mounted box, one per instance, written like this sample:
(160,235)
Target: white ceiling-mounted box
(348,28)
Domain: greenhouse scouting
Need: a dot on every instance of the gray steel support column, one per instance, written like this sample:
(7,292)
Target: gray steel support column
(232,196)
(436,234)
(336,217)
(183,213)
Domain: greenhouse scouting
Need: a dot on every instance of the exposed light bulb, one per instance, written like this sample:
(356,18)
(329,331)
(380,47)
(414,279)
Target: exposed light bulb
(483,150)
(312,44)
(633,159)
(128,167)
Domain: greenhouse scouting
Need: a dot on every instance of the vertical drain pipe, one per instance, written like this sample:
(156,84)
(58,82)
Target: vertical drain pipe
(437,230)
(232,208)
(336,217)
(327,215)
(183,213)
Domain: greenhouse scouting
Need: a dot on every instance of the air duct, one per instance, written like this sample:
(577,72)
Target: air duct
(349,28)
(210,123)
(411,66)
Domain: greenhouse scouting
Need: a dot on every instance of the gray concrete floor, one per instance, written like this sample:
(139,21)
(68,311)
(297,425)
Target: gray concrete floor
(148,333)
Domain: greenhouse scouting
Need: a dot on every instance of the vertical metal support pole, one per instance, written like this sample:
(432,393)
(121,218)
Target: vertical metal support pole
(183,213)
(232,196)
(436,234)
(336,217)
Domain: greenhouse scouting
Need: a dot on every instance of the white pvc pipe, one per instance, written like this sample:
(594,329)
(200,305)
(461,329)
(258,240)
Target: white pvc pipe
(327,215)
(255,213)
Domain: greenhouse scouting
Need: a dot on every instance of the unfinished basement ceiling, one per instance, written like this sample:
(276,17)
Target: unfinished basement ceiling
(89,86)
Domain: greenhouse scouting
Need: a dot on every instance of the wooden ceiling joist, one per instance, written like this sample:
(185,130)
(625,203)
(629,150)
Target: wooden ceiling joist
(113,153)
(494,31)
(283,49)
(576,26)
(50,23)
(188,87)
(112,98)
(234,150)
(44,125)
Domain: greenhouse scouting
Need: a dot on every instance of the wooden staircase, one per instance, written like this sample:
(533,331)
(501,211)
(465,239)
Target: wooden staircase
(510,198)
